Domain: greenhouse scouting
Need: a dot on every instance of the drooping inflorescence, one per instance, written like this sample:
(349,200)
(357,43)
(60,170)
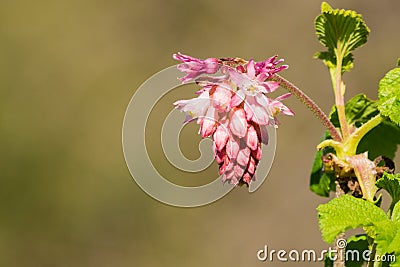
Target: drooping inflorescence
(233,109)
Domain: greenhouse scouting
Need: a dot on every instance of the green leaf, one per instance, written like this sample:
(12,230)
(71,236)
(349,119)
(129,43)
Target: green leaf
(347,212)
(390,183)
(330,60)
(387,135)
(388,239)
(396,212)
(341,31)
(389,95)
(320,182)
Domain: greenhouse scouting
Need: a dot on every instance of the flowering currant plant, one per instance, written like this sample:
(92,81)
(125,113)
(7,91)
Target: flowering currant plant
(354,158)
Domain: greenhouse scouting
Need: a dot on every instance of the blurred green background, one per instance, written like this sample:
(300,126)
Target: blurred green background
(67,72)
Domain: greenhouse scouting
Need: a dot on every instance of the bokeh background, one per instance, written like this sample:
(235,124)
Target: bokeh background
(67,72)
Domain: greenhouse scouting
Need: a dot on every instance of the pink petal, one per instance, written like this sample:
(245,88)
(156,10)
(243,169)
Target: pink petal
(248,111)
(287,111)
(200,121)
(237,98)
(251,72)
(236,77)
(219,155)
(260,112)
(197,107)
(221,98)
(238,172)
(281,108)
(221,137)
(243,156)
(270,86)
(211,65)
(209,123)
(194,67)
(257,153)
(184,58)
(252,138)
(262,99)
(260,115)
(251,168)
(282,97)
(232,148)
(238,123)
(247,178)
(226,166)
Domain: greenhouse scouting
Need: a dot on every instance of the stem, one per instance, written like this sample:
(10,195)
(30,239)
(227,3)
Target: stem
(372,261)
(341,251)
(391,209)
(311,105)
(339,93)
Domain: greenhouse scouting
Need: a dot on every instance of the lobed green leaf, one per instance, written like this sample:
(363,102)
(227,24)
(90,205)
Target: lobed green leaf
(391,183)
(396,212)
(389,95)
(347,212)
(388,239)
(341,31)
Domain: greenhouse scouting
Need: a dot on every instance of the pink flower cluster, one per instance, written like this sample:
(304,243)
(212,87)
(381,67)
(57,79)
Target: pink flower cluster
(233,109)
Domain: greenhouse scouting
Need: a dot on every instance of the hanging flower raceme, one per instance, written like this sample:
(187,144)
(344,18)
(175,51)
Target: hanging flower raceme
(233,109)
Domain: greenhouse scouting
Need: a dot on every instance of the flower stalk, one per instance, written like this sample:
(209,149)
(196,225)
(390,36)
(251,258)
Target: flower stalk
(310,104)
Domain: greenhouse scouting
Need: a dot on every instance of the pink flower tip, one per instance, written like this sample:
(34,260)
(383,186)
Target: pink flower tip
(194,67)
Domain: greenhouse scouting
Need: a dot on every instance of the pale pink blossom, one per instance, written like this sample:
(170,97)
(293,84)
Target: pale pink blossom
(277,106)
(194,67)
(269,67)
(222,98)
(251,89)
(250,81)
(195,107)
